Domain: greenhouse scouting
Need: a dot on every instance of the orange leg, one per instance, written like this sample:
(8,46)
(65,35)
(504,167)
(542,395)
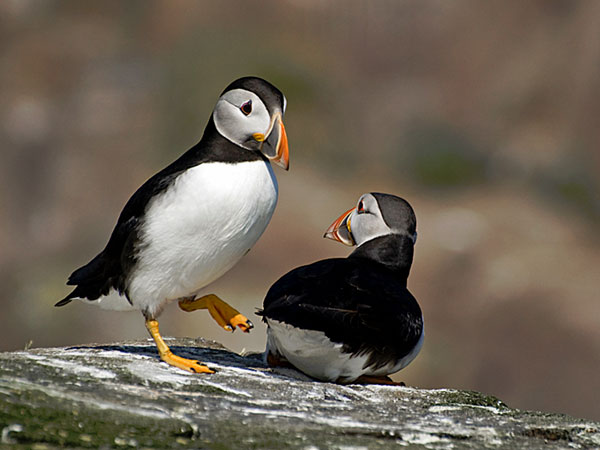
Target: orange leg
(167,356)
(224,314)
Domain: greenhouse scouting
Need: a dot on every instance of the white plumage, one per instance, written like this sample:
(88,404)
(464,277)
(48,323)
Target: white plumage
(197,230)
(315,354)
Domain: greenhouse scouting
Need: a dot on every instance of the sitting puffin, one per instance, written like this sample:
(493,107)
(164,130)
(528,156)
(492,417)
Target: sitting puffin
(192,221)
(351,319)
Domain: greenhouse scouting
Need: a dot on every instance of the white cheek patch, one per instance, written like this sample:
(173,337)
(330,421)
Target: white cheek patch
(236,126)
(368,226)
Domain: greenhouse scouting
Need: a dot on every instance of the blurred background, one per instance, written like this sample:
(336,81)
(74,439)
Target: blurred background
(484,115)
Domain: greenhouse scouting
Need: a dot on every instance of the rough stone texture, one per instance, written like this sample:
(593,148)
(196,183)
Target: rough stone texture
(121,396)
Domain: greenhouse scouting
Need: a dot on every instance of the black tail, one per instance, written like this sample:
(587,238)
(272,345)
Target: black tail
(65,301)
(91,281)
(69,298)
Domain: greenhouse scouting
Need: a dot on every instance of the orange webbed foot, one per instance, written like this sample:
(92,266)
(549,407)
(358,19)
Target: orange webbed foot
(167,355)
(224,314)
(190,365)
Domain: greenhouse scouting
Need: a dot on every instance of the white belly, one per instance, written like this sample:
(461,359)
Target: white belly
(316,355)
(199,228)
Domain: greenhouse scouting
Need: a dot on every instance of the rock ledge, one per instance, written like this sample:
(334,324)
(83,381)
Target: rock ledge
(121,395)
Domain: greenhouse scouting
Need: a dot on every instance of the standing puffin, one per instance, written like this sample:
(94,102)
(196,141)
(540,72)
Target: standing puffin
(351,319)
(192,221)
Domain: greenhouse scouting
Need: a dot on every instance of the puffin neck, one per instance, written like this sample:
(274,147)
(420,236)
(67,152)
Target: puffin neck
(395,251)
(216,148)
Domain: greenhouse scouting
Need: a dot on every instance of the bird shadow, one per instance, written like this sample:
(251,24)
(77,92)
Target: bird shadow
(220,356)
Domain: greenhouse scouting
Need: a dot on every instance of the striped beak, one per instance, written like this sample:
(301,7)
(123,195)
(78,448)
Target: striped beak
(341,230)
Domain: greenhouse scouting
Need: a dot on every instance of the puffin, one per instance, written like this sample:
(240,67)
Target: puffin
(351,320)
(191,222)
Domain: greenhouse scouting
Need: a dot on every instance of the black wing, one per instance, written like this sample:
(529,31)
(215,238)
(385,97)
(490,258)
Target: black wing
(353,301)
(109,269)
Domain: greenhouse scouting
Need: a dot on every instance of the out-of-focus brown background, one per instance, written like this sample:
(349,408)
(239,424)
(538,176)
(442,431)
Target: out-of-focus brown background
(484,115)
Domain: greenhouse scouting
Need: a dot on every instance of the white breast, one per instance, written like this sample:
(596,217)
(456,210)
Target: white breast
(199,228)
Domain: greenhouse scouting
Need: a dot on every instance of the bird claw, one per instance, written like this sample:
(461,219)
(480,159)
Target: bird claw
(240,321)
(197,367)
(224,314)
(190,365)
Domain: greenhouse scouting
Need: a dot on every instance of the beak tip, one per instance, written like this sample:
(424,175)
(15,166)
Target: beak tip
(281,163)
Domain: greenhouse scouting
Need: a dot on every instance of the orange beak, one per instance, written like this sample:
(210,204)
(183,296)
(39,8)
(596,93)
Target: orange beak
(283,152)
(340,229)
(275,145)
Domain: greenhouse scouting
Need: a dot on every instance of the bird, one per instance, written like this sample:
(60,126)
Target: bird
(351,320)
(192,221)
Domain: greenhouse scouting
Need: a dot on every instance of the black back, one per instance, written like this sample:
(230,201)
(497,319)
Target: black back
(361,301)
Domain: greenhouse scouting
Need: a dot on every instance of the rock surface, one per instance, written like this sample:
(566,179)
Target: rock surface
(121,395)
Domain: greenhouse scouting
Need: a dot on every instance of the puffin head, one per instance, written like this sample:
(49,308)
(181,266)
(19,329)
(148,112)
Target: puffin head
(373,216)
(249,113)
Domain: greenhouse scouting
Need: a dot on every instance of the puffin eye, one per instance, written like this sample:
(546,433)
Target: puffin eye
(246,108)
(360,208)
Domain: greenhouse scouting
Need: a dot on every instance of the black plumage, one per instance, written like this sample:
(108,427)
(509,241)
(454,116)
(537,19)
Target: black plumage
(361,301)
(348,319)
